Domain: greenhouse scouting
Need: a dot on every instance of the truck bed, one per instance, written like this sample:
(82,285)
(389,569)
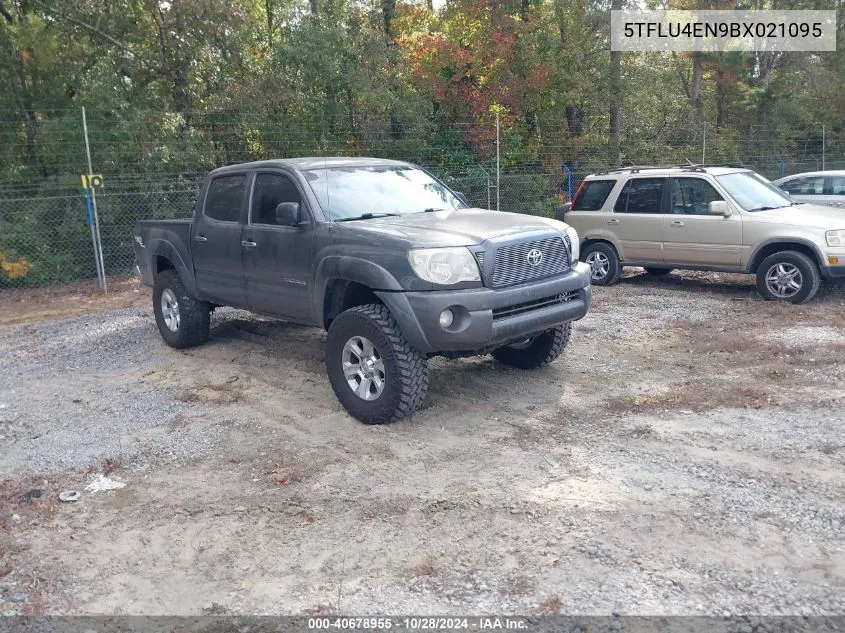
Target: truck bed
(176,234)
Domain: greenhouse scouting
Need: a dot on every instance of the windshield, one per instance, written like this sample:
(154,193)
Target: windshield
(377,191)
(753,192)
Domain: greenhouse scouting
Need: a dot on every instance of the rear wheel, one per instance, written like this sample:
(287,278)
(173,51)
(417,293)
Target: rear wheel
(536,351)
(182,320)
(788,276)
(657,272)
(605,267)
(375,373)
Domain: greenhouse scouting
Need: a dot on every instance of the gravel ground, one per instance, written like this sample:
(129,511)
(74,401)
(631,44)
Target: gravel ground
(684,457)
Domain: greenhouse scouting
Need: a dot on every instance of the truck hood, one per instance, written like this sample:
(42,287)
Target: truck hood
(807,215)
(460,227)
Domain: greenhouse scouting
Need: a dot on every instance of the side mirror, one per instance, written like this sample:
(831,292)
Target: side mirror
(460,195)
(562,210)
(287,214)
(719,207)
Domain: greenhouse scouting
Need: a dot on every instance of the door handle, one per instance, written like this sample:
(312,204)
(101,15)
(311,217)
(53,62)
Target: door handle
(248,244)
(677,222)
(200,238)
(613,221)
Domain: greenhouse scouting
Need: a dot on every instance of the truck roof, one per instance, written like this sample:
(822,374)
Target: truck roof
(314,162)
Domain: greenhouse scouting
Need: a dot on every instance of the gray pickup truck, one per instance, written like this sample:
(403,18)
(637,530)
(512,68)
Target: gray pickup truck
(385,257)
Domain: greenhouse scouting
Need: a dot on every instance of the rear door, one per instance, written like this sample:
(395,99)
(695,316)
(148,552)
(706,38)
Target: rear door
(691,235)
(637,220)
(834,191)
(277,257)
(216,246)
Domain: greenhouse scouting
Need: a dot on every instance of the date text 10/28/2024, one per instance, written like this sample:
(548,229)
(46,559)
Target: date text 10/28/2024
(479,623)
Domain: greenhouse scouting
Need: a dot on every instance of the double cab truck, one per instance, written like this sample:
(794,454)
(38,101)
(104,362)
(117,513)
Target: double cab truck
(393,264)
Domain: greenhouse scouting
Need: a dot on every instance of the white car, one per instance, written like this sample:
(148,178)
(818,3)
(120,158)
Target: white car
(816,187)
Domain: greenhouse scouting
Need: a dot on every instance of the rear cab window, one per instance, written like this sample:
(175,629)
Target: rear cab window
(592,195)
(224,200)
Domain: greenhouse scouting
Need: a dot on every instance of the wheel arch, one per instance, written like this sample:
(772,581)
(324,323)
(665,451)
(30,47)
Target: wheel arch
(777,245)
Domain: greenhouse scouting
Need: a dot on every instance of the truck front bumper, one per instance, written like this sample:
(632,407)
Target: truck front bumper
(484,318)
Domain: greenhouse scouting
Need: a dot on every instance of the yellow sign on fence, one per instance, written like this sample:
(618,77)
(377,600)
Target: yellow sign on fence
(89,181)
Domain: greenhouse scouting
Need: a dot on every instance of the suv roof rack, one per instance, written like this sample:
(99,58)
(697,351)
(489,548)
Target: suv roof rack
(688,167)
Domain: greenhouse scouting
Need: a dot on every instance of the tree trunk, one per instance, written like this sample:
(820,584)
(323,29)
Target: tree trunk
(313,6)
(525,11)
(695,83)
(721,99)
(388,10)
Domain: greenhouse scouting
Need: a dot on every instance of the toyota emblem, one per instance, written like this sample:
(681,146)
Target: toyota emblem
(534,257)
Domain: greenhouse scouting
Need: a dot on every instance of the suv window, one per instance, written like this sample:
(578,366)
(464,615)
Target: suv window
(225,198)
(691,196)
(808,186)
(592,195)
(837,185)
(268,192)
(640,195)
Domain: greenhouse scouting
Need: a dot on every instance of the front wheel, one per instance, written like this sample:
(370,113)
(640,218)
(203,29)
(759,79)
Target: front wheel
(788,276)
(537,351)
(182,320)
(375,373)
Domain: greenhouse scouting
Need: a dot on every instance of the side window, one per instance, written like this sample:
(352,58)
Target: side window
(691,196)
(270,190)
(640,195)
(808,186)
(837,185)
(225,198)
(592,195)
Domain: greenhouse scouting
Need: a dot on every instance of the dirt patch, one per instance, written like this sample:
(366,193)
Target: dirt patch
(685,456)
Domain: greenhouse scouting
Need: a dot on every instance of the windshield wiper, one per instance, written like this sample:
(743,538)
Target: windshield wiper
(367,216)
(432,210)
(764,208)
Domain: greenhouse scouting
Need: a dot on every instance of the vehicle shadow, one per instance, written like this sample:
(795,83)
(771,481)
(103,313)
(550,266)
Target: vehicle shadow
(686,281)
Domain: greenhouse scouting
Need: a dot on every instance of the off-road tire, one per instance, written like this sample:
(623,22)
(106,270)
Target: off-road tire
(543,349)
(194,315)
(810,277)
(405,368)
(657,272)
(614,266)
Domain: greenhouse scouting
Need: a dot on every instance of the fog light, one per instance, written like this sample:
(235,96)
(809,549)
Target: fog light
(446,318)
(832,260)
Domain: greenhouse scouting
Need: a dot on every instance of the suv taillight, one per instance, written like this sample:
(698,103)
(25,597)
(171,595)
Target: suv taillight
(577,193)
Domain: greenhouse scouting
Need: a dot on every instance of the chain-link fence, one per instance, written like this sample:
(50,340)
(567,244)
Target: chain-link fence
(153,166)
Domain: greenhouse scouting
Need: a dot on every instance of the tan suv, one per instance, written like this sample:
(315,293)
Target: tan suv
(699,217)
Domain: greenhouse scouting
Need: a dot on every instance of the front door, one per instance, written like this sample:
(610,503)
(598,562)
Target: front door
(216,241)
(636,220)
(691,235)
(277,252)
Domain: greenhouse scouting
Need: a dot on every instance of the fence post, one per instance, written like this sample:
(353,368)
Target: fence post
(704,144)
(822,147)
(498,170)
(568,181)
(95,229)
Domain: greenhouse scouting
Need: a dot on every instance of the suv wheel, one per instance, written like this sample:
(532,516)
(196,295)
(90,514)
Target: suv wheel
(788,276)
(605,267)
(375,373)
(657,272)
(182,320)
(537,351)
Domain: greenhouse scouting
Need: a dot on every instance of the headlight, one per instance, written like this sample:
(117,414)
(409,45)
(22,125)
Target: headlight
(835,238)
(444,265)
(576,245)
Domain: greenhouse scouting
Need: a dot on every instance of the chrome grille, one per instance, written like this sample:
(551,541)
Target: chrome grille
(479,256)
(512,265)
